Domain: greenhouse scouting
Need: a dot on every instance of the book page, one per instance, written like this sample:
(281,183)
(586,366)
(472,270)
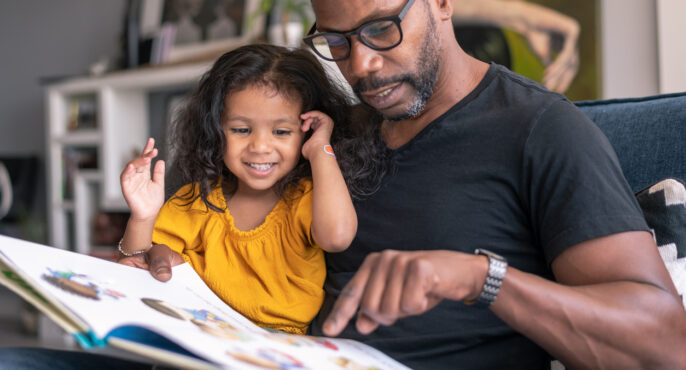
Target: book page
(108,296)
(16,284)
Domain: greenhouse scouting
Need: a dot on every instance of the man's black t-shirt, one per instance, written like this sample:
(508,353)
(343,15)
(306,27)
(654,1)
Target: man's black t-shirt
(512,168)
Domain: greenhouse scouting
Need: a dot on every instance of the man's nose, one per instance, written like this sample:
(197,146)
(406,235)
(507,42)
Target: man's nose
(363,60)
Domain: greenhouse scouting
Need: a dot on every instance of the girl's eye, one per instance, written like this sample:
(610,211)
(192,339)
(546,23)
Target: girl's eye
(240,130)
(281,132)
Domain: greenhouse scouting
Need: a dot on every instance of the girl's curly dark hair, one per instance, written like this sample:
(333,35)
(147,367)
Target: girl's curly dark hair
(197,138)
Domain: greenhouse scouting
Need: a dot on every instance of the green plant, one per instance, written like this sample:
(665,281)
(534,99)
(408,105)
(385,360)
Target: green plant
(286,9)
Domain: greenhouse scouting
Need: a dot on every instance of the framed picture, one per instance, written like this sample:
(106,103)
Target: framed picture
(554,42)
(199,29)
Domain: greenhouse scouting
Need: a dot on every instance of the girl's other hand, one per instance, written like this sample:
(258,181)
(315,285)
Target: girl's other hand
(322,126)
(143,194)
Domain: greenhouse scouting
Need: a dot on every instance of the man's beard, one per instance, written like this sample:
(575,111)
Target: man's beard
(423,80)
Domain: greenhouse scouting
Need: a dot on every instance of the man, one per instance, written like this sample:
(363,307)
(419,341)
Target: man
(487,159)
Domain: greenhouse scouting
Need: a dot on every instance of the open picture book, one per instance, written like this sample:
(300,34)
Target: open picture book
(180,322)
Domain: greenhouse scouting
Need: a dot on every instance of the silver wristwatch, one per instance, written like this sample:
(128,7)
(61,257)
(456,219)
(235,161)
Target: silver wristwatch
(497,266)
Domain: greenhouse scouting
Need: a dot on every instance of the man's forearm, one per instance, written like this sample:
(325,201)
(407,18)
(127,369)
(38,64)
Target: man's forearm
(607,325)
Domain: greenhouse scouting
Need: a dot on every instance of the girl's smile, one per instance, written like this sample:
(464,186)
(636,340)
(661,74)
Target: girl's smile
(261,169)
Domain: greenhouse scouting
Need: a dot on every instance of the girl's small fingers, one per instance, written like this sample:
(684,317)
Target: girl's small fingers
(314,123)
(142,161)
(306,125)
(140,164)
(134,165)
(158,172)
(150,154)
(313,114)
(148,146)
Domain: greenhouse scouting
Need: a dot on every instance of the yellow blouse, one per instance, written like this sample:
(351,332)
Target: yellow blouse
(272,274)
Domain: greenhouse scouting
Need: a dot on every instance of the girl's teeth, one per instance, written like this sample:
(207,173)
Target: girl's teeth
(261,167)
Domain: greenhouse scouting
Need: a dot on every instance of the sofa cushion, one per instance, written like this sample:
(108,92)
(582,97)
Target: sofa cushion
(664,207)
(648,134)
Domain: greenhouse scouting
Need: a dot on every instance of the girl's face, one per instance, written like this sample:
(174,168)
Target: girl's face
(263,136)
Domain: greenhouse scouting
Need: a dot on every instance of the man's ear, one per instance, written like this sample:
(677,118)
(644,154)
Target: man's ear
(445,9)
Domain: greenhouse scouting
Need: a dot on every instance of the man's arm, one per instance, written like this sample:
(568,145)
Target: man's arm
(614,304)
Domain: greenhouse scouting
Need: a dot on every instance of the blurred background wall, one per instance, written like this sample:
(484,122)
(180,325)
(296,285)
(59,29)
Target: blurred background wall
(41,41)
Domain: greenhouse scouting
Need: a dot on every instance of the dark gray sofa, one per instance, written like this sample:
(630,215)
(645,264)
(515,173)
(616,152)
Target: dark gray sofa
(648,134)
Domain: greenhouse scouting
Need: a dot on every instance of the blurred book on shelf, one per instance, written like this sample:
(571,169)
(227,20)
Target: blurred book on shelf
(82,113)
(155,50)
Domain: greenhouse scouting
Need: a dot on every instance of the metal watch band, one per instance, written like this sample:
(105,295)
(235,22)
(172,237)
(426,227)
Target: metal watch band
(497,266)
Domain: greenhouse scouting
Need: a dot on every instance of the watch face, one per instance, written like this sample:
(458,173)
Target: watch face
(488,253)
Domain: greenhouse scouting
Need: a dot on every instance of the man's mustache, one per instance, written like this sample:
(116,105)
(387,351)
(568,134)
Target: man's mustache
(371,83)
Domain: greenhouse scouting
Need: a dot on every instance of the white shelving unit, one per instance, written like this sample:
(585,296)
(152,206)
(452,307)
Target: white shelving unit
(120,129)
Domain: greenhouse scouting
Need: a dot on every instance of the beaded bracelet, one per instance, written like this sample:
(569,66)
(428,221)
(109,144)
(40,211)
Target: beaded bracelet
(134,253)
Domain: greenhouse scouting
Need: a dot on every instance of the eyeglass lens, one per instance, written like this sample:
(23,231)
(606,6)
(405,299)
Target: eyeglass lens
(379,35)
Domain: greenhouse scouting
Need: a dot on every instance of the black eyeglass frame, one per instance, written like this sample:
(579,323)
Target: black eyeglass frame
(396,19)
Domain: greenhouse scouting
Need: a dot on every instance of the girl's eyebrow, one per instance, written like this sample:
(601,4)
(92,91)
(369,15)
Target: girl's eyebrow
(238,118)
(280,120)
(288,120)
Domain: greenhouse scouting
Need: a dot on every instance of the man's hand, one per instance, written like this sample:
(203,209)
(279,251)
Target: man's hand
(392,284)
(158,260)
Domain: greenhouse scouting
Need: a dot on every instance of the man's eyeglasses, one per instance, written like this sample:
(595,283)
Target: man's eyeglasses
(380,34)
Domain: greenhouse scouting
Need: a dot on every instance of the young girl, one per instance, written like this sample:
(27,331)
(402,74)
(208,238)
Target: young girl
(255,215)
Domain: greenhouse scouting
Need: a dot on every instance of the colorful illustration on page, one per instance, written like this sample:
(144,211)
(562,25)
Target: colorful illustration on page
(300,340)
(268,358)
(348,364)
(323,342)
(205,320)
(80,284)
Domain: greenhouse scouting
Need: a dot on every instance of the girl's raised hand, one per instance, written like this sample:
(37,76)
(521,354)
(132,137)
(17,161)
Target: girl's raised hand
(143,194)
(322,126)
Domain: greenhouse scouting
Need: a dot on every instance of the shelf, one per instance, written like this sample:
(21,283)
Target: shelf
(80,138)
(147,78)
(89,175)
(95,126)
